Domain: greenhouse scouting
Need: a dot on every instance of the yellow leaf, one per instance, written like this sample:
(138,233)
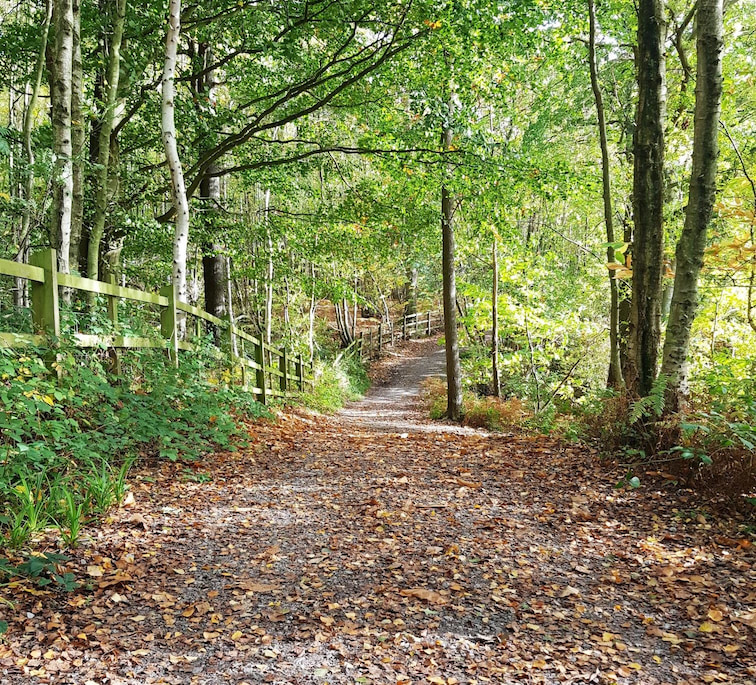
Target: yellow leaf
(49,400)
(326,620)
(715,615)
(731,648)
(707,627)
(237,635)
(436,680)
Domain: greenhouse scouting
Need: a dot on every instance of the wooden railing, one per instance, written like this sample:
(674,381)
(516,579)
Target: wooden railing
(372,342)
(276,372)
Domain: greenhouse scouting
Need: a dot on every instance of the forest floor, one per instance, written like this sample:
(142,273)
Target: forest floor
(376,546)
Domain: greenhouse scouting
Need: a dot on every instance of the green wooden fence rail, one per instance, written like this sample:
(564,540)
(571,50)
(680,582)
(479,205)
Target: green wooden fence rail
(264,370)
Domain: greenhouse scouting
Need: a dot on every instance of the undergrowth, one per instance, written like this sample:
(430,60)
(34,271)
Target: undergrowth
(336,382)
(70,430)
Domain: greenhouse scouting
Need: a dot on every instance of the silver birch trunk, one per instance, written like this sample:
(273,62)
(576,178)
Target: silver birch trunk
(63,16)
(690,248)
(269,280)
(178,187)
(495,322)
(102,186)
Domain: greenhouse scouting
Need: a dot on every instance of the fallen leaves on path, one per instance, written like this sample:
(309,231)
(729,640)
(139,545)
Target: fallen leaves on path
(330,553)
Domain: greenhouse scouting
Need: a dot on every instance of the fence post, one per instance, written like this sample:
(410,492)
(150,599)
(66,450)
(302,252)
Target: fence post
(429,323)
(44,296)
(168,321)
(370,346)
(283,367)
(380,338)
(299,366)
(113,317)
(362,344)
(259,353)
(243,357)
(404,327)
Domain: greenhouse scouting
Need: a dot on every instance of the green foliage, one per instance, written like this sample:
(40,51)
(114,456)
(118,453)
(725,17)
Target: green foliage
(71,434)
(651,406)
(42,569)
(336,383)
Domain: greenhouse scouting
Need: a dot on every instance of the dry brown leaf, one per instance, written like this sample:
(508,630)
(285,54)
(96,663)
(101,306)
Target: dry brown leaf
(426,595)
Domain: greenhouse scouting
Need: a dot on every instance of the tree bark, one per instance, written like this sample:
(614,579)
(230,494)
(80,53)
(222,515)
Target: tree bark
(102,186)
(31,106)
(178,187)
(77,138)
(453,370)
(60,230)
(648,199)
(690,248)
(270,272)
(495,321)
(615,379)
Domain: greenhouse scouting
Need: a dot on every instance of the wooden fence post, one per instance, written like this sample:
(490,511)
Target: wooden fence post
(370,346)
(380,338)
(429,323)
(44,296)
(404,327)
(362,344)
(243,358)
(168,321)
(299,367)
(283,367)
(113,317)
(259,353)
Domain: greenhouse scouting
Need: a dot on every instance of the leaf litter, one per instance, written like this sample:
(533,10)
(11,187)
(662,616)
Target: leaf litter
(335,550)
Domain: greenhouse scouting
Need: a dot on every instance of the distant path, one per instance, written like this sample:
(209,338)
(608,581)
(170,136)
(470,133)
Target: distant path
(396,407)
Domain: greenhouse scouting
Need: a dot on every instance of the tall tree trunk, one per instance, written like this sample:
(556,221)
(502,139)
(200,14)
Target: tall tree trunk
(453,370)
(270,273)
(178,187)
(77,138)
(215,263)
(311,314)
(495,321)
(615,379)
(60,230)
(648,198)
(31,106)
(102,186)
(690,248)
(411,307)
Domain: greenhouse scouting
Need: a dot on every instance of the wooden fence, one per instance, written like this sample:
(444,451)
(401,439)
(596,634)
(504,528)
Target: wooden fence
(276,372)
(372,342)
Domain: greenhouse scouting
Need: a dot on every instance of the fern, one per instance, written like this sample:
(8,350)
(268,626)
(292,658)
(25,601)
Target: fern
(652,405)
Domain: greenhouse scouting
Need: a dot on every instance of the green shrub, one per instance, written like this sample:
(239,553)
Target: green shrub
(337,383)
(69,435)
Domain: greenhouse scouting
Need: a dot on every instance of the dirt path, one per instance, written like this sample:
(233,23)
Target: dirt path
(374,547)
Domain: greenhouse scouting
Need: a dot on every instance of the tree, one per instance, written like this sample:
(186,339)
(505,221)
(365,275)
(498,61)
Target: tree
(102,184)
(615,365)
(648,198)
(690,248)
(453,370)
(61,88)
(178,188)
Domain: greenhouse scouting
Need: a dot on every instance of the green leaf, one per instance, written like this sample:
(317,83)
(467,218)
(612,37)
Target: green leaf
(634,482)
